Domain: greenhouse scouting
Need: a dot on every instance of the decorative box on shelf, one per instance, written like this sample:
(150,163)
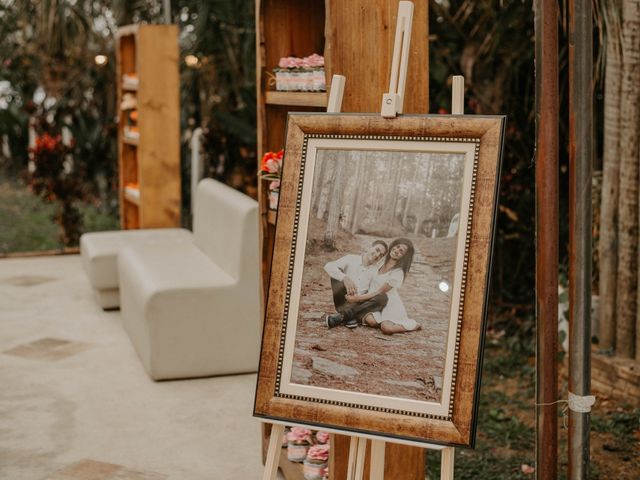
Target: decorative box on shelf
(301,74)
(130,81)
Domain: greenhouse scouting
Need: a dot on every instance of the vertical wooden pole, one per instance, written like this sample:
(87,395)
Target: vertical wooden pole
(547,111)
(580,168)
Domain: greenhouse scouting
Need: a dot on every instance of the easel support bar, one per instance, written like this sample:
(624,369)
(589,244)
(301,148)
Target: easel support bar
(392,102)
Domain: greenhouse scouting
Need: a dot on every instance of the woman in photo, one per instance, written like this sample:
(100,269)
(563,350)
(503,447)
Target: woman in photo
(393,318)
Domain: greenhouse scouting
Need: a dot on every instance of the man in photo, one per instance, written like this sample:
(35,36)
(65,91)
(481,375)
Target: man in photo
(351,275)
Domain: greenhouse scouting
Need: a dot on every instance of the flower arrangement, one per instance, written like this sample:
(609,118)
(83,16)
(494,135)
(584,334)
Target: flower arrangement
(301,74)
(316,464)
(271,169)
(299,441)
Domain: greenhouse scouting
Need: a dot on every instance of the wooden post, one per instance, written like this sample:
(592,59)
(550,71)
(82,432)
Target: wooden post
(546,35)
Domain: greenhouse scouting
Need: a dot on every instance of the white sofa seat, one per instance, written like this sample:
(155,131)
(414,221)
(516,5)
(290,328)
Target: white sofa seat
(192,309)
(99,251)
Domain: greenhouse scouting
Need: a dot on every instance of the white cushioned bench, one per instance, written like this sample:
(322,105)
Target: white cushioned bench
(99,251)
(192,309)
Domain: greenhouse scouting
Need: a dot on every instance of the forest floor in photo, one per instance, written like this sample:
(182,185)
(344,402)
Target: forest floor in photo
(363,359)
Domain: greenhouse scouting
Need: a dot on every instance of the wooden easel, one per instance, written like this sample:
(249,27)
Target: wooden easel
(392,105)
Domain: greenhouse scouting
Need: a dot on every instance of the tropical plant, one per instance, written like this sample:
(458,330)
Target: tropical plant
(57,180)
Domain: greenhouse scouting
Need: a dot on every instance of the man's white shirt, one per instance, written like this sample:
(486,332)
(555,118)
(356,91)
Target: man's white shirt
(352,266)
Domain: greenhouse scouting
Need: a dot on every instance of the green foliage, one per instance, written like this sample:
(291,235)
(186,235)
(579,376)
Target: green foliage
(27,222)
(620,423)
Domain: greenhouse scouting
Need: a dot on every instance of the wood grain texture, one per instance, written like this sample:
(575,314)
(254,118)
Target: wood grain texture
(151,51)
(459,430)
(359,45)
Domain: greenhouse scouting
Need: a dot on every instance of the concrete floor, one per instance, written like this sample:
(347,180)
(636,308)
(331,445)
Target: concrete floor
(76,403)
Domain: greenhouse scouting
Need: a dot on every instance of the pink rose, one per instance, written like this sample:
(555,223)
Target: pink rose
(318,452)
(322,437)
(288,62)
(315,60)
(299,434)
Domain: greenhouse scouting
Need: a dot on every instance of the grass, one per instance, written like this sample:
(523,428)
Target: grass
(26,221)
(506,427)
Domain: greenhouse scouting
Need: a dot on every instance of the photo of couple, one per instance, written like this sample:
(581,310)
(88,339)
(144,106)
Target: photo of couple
(375,301)
(365,288)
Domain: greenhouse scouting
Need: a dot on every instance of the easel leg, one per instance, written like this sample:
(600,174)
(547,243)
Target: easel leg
(351,466)
(273,453)
(446,463)
(362,447)
(377,460)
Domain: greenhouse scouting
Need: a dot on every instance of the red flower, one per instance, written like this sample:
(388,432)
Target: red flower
(272,163)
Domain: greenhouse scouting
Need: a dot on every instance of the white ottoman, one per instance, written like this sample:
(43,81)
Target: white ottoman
(99,251)
(185,316)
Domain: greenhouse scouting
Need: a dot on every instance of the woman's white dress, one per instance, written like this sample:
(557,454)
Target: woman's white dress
(394,311)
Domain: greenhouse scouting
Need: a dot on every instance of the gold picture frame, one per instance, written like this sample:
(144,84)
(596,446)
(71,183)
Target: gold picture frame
(396,352)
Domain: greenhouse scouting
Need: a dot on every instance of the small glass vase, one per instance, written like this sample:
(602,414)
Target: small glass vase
(314,470)
(297,452)
(273,199)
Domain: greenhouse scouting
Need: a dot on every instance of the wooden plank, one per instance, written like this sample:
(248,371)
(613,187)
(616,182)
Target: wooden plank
(159,124)
(359,44)
(303,99)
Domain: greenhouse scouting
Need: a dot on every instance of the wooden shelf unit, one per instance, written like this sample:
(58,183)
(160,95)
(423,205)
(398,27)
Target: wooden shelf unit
(299,99)
(356,39)
(153,160)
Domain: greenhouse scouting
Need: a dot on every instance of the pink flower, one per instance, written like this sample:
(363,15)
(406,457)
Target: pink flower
(318,452)
(275,185)
(322,437)
(299,434)
(527,469)
(288,62)
(314,60)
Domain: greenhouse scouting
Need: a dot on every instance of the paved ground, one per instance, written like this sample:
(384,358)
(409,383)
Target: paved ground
(76,403)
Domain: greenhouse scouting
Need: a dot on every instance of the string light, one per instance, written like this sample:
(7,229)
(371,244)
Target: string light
(101,60)
(191,61)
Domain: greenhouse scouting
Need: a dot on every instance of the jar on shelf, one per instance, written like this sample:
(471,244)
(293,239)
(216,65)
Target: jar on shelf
(299,443)
(316,464)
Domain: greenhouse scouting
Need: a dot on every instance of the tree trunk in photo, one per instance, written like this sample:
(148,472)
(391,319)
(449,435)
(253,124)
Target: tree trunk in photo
(407,205)
(321,166)
(608,244)
(389,206)
(357,200)
(326,184)
(626,296)
(420,216)
(335,202)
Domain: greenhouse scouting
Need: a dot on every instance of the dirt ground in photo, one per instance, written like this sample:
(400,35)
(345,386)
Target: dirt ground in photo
(408,365)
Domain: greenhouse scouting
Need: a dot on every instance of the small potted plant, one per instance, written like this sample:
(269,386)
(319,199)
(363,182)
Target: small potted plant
(316,464)
(300,440)
(270,170)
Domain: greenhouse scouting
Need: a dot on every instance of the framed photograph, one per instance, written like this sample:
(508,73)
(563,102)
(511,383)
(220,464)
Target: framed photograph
(378,293)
